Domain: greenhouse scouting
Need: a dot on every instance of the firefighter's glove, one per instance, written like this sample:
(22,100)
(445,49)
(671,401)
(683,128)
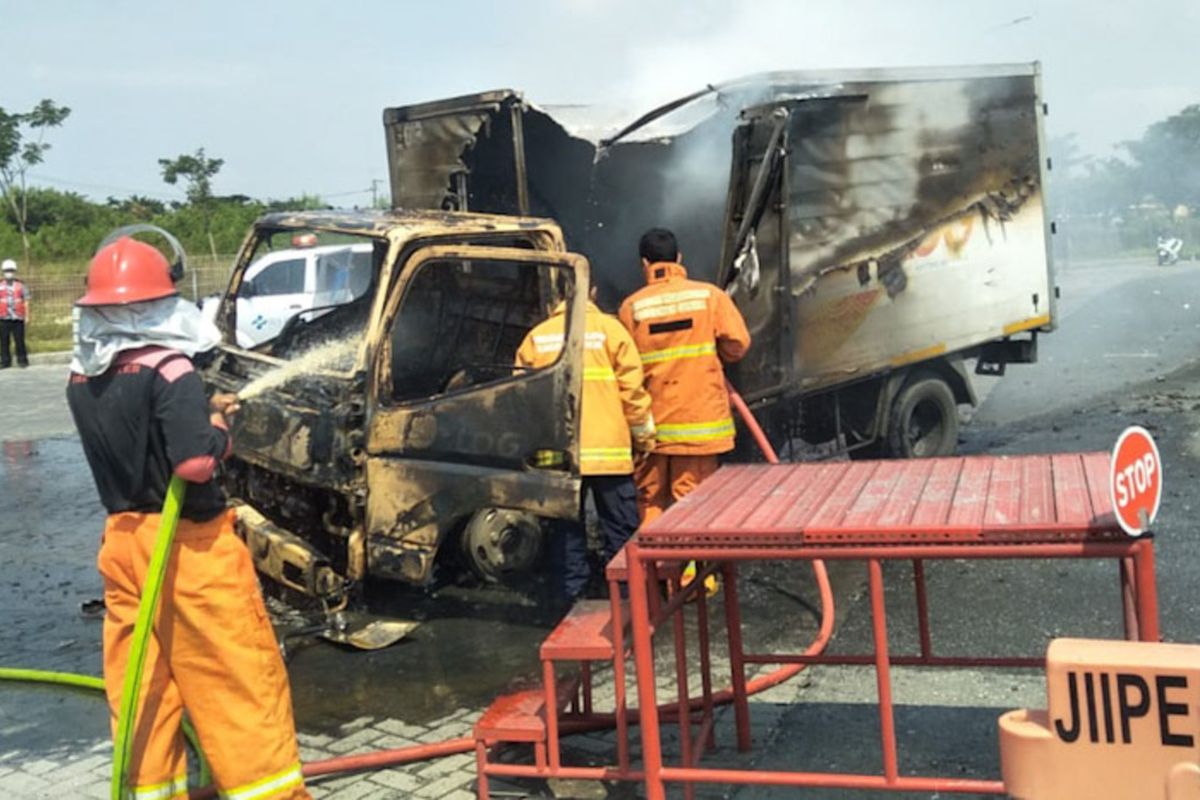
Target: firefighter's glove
(644,435)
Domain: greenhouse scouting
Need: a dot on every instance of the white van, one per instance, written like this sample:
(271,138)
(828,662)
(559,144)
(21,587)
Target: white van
(285,283)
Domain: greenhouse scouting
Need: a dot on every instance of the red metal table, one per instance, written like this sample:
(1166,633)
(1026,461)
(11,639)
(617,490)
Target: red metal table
(995,507)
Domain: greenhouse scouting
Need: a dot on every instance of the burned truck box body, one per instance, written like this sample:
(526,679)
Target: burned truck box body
(902,218)
(876,227)
(375,425)
(496,153)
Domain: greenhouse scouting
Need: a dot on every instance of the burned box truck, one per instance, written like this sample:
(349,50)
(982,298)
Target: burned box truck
(880,230)
(877,228)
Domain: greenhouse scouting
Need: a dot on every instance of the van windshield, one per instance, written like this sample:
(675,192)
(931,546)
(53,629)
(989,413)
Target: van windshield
(305,289)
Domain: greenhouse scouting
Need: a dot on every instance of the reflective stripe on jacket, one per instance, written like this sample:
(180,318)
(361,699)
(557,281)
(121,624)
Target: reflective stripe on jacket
(20,298)
(616,406)
(684,329)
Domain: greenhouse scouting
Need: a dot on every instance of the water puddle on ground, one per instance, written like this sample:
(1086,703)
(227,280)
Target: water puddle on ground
(471,645)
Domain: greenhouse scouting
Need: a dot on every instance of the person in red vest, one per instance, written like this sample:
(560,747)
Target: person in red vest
(14,313)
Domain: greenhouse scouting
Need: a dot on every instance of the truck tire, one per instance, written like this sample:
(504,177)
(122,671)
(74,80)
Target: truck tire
(501,545)
(924,420)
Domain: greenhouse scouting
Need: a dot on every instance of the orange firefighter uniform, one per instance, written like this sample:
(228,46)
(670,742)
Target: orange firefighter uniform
(684,330)
(616,407)
(212,652)
(615,412)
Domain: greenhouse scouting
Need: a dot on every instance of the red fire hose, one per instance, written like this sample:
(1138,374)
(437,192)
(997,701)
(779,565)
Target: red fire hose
(405,755)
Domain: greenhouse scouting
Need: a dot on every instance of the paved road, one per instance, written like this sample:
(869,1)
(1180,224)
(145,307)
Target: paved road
(33,403)
(1119,322)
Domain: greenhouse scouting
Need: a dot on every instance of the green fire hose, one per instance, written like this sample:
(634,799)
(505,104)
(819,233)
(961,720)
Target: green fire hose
(92,683)
(147,608)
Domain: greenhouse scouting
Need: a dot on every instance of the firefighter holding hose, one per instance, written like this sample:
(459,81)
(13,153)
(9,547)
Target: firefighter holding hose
(142,416)
(684,330)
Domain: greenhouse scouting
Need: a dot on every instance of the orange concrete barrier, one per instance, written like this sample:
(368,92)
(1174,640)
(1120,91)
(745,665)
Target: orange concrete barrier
(1123,722)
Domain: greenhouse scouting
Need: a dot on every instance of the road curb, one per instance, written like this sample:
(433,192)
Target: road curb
(57,357)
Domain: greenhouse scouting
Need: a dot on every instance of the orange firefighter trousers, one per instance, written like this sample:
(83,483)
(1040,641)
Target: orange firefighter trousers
(212,651)
(662,479)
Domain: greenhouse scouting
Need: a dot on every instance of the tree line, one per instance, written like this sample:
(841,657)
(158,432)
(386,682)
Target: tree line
(63,225)
(1147,187)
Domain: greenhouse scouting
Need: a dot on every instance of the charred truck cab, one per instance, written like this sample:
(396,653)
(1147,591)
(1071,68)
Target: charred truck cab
(379,424)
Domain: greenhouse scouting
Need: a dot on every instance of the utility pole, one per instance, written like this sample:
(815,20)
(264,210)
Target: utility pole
(375,192)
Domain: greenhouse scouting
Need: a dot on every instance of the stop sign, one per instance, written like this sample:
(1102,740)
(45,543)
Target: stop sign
(1136,480)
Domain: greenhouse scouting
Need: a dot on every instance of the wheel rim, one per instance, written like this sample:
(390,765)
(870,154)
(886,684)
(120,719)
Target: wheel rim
(925,429)
(501,543)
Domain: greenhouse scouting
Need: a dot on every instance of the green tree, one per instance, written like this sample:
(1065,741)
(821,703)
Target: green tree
(198,171)
(23,145)
(138,207)
(1167,158)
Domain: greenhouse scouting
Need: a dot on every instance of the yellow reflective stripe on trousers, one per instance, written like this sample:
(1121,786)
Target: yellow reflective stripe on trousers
(267,786)
(695,431)
(167,790)
(599,374)
(605,453)
(676,353)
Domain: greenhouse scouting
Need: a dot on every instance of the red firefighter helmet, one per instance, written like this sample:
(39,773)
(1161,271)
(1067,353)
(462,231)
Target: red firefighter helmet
(127,271)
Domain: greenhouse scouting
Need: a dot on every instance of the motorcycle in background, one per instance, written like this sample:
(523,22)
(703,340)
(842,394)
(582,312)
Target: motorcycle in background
(1168,250)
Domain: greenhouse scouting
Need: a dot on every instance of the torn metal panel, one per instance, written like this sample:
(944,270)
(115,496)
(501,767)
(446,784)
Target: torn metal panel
(426,143)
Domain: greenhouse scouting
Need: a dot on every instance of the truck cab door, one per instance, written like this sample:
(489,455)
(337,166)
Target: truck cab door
(454,427)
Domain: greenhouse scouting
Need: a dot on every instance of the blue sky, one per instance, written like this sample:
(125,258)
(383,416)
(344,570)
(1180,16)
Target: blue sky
(290,95)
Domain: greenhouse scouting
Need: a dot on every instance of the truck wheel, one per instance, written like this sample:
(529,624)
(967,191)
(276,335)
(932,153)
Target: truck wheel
(502,545)
(924,421)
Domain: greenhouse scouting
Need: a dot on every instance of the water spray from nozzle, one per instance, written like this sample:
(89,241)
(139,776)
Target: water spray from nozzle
(322,356)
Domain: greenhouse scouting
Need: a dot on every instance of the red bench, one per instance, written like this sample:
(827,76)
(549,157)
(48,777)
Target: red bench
(593,630)
(584,635)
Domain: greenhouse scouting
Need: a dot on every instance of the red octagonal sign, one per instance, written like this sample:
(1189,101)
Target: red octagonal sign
(1136,480)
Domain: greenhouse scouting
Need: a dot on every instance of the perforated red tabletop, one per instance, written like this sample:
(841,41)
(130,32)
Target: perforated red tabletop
(975,499)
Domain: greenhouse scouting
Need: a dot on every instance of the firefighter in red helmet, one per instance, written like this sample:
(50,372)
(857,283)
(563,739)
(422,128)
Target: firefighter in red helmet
(142,416)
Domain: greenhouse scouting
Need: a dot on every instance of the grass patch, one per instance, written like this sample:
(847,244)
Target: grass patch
(48,335)
(48,345)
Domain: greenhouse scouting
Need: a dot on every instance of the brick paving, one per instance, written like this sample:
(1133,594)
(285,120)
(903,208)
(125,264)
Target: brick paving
(83,769)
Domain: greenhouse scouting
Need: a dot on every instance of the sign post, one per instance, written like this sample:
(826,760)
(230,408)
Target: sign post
(1135,481)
